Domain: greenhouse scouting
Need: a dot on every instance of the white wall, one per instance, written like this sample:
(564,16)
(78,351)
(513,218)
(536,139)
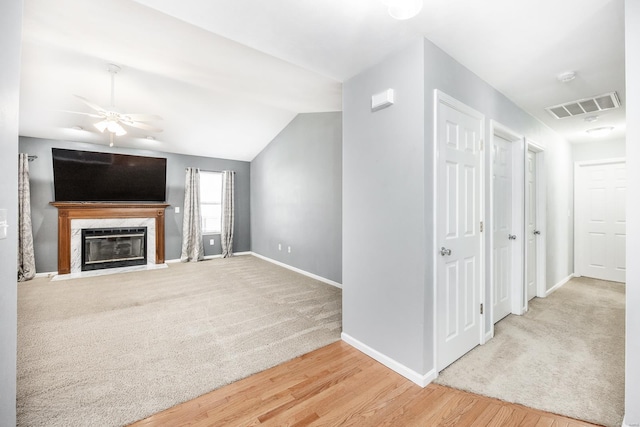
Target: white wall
(632,371)
(598,150)
(10,36)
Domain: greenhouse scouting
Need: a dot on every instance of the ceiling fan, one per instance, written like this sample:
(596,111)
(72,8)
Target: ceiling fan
(112,119)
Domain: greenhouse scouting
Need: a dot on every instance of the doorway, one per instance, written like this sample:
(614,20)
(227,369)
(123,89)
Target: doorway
(600,227)
(506,213)
(458,228)
(535,220)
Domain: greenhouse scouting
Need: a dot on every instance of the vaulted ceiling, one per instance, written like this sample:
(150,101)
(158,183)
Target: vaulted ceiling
(227,76)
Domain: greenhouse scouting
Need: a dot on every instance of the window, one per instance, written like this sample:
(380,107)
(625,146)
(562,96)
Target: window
(211,201)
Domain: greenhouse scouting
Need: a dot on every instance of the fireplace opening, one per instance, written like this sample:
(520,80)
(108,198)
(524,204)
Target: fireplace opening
(113,247)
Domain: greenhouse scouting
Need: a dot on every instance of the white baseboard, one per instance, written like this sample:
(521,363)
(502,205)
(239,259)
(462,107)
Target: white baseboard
(558,285)
(410,374)
(297,270)
(47,275)
(488,335)
(626,424)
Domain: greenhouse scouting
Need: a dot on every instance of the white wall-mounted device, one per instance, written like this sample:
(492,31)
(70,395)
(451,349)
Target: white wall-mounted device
(3,224)
(382,100)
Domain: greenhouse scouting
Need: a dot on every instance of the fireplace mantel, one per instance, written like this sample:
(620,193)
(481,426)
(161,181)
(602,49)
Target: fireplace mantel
(68,211)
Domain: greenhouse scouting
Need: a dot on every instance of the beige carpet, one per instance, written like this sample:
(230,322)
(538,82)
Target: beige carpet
(566,355)
(110,350)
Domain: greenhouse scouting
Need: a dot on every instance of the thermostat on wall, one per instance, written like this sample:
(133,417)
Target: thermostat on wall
(382,100)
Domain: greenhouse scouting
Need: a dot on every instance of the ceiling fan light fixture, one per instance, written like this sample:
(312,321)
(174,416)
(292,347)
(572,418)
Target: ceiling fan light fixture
(114,127)
(600,132)
(403,9)
(101,126)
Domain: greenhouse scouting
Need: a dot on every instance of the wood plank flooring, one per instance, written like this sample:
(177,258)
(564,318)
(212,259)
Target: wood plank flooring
(339,386)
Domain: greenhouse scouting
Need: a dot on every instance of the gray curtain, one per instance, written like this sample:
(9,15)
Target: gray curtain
(26,257)
(192,246)
(228,210)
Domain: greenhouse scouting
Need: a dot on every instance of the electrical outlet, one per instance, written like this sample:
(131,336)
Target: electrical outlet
(289,249)
(279,246)
(211,242)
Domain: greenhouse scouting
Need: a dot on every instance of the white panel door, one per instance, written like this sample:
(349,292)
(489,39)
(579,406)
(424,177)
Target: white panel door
(601,217)
(532,230)
(459,243)
(501,152)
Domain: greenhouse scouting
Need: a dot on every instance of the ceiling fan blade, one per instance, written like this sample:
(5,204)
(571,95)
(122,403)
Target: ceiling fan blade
(84,114)
(137,117)
(142,126)
(90,104)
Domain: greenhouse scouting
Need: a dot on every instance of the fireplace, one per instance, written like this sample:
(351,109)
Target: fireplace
(113,247)
(73,217)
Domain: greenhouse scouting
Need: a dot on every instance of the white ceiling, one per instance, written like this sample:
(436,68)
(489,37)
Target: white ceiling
(228,75)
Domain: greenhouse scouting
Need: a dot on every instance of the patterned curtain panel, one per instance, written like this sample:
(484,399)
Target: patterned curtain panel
(26,257)
(192,246)
(228,210)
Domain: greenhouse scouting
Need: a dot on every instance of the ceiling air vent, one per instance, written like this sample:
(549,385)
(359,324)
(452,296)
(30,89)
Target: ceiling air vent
(608,101)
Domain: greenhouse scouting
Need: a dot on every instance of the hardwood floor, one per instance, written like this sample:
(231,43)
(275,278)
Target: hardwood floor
(339,386)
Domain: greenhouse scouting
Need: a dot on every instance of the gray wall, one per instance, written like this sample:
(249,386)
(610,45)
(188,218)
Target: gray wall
(44,216)
(296,197)
(384,243)
(632,59)
(388,205)
(10,36)
(599,150)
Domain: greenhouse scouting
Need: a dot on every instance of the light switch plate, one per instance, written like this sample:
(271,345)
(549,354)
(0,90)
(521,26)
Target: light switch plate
(177,209)
(3,224)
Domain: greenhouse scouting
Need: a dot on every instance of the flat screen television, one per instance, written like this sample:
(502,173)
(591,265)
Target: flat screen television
(86,176)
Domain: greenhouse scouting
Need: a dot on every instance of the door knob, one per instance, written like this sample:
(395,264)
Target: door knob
(512,237)
(444,251)
(536,232)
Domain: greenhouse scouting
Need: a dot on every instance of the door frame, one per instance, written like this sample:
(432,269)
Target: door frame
(441,97)
(541,223)
(578,253)
(517,219)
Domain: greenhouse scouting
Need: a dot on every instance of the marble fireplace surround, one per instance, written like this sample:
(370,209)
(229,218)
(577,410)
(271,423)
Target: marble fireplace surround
(73,217)
(76,235)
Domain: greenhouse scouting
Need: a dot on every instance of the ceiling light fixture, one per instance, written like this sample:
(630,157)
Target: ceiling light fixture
(403,9)
(600,132)
(567,76)
(111,126)
(150,137)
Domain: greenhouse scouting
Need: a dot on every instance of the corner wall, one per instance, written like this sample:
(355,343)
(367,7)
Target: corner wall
(383,210)
(45,217)
(296,196)
(10,39)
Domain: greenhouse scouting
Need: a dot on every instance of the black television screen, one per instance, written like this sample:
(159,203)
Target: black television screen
(86,176)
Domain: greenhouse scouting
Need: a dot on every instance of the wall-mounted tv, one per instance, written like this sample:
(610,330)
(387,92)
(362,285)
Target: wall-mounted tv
(86,176)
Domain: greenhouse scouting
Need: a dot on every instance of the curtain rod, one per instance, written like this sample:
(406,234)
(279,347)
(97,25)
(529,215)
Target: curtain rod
(32,158)
(206,170)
